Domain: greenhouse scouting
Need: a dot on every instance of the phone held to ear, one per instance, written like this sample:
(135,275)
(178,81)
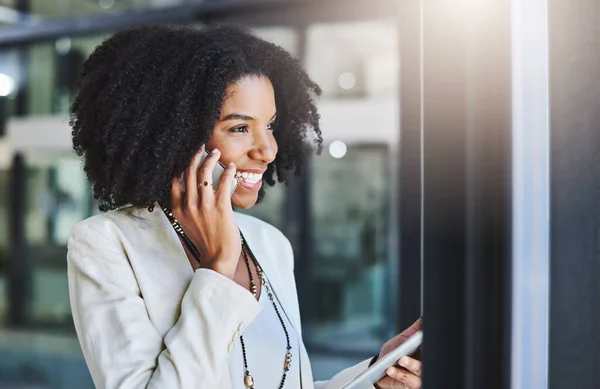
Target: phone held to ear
(376,372)
(216,176)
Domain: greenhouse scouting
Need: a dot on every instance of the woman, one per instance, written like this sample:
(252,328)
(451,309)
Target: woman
(170,288)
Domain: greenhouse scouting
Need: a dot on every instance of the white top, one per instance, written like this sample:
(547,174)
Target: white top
(265,350)
(146,320)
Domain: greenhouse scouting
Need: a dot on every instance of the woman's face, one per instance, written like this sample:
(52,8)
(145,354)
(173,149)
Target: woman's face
(244,135)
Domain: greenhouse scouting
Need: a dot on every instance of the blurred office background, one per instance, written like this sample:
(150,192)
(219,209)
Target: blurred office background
(452,182)
(341,231)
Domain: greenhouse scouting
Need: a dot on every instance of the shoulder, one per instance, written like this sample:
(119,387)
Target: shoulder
(100,248)
(102,222)
(108,228)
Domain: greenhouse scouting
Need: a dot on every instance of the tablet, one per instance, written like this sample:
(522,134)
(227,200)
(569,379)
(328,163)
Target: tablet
(373,374)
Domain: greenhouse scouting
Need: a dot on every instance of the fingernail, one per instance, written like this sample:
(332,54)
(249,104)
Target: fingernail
(390,371)
(403,361)
(215,151)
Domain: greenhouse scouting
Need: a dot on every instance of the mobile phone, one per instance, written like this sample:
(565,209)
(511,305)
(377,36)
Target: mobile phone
(216,176)
(376,372)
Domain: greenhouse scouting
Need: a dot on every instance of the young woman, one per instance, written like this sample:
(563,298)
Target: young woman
(170,288)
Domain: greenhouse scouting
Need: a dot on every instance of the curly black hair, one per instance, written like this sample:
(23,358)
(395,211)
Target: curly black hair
(149,97)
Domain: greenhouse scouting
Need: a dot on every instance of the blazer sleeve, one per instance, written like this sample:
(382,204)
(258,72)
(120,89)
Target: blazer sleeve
(121,346)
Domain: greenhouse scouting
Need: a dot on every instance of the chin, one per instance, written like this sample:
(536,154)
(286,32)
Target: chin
(243,202)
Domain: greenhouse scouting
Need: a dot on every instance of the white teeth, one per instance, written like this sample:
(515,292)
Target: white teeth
(251,178)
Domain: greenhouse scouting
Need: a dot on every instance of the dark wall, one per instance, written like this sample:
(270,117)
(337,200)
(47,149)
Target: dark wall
(575,194)
(467,201)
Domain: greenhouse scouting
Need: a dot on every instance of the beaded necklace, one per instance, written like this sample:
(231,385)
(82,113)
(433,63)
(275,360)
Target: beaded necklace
(248,255)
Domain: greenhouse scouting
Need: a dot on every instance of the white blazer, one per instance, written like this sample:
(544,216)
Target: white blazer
(145,319)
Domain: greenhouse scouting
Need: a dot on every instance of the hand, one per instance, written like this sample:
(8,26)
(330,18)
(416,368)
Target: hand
(206,215)
(409,376)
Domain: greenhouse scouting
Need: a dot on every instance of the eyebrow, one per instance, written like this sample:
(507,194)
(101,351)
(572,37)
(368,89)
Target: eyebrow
(239,116)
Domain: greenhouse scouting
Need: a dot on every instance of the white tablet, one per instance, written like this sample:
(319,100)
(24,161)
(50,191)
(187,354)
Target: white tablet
(373,374)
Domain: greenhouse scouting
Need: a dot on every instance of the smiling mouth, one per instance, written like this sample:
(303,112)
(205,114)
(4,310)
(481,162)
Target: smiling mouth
(248,178)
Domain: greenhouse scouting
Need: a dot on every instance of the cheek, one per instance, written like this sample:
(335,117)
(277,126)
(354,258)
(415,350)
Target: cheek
(230,151)
(212,144)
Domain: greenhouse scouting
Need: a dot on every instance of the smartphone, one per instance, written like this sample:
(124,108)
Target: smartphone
(376,372)
(217,173)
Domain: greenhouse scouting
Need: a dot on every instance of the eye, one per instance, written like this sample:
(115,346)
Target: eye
(243,128)
(271,126)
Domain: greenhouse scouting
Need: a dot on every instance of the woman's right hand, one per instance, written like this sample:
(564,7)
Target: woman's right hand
(206,215)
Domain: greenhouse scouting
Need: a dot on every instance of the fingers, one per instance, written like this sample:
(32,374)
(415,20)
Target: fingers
(199,175)
(177,193)
(412,365)
(386,382)
(205,175)
(226,185)
(191,179)
(408,379)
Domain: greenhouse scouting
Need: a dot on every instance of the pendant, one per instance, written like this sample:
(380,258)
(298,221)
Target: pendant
(288,361)
(248,381)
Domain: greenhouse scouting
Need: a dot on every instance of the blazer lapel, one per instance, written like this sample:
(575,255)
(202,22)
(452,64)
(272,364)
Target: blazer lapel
(162,266)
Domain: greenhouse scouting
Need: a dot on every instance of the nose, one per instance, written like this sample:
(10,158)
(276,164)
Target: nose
(264,147)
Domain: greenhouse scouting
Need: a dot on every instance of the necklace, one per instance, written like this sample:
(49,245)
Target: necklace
(248,255)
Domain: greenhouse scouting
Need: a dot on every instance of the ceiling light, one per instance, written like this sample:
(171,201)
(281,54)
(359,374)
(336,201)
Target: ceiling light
(347,80)
(337,149)
(7,85)
(63,45)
